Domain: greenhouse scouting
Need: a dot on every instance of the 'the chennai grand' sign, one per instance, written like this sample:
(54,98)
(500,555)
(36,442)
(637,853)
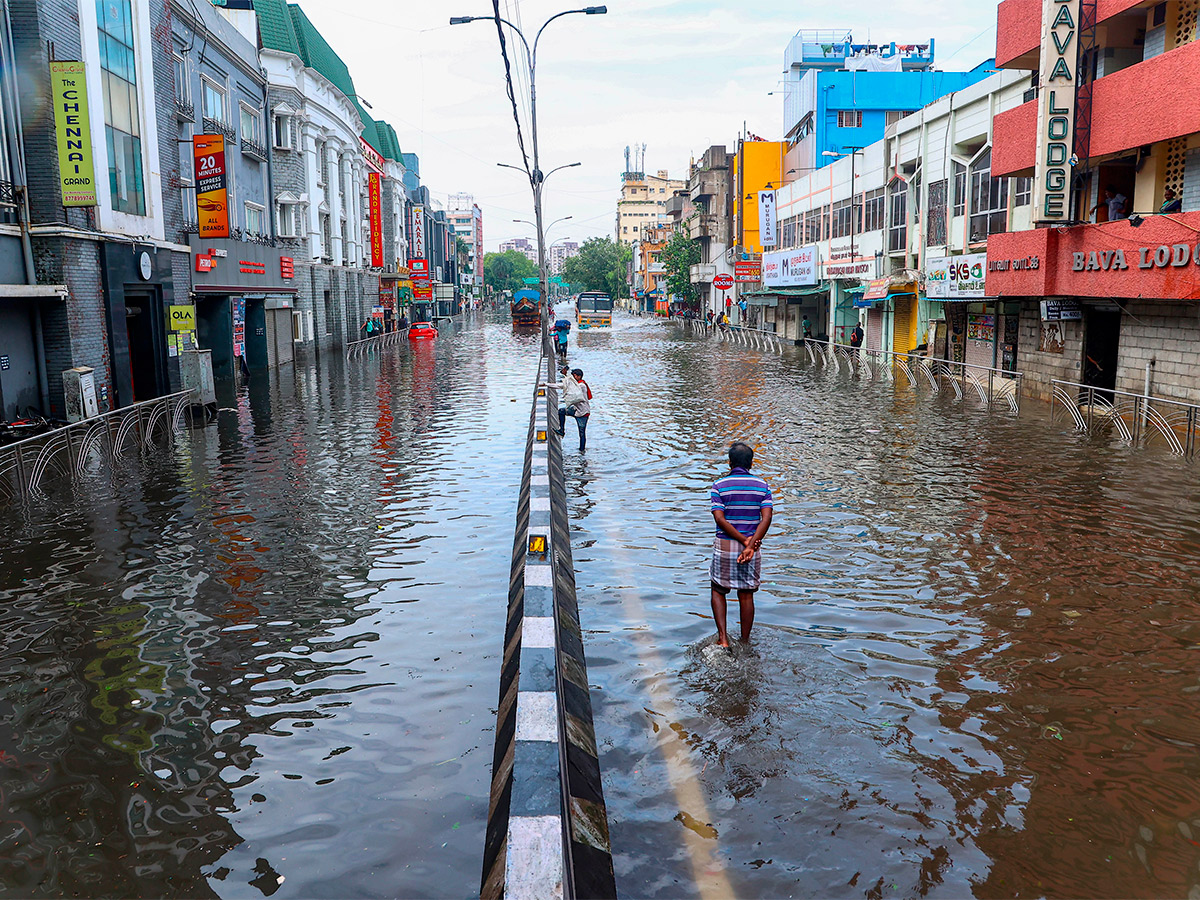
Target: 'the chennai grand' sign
(1056,111)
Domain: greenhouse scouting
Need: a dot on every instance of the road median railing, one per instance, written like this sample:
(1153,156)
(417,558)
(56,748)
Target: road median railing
(547,829)
(74,449)
(767,341)
(1138,419)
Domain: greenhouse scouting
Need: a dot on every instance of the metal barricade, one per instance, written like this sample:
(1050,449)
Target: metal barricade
(387,339)
(1137,419)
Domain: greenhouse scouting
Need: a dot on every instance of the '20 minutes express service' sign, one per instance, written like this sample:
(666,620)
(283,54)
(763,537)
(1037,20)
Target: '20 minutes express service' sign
(212,197)
(68,85)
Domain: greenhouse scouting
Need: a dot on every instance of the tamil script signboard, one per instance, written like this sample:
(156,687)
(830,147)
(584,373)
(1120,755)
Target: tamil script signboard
(747,271)
(68,87)
(956,277)
(790,268)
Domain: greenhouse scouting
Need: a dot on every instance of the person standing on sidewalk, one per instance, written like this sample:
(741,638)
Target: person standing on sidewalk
(574,398)
(742,508)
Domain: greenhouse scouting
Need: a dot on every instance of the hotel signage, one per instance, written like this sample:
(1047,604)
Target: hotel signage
(68,86)
(375,210)
(1056,111)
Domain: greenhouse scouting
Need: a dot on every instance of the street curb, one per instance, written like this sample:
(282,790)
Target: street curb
(545,765)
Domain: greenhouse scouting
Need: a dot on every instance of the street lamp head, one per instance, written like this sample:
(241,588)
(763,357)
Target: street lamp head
(596,10)
(462,20)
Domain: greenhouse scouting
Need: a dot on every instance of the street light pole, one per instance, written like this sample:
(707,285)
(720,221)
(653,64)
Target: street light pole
(536,178)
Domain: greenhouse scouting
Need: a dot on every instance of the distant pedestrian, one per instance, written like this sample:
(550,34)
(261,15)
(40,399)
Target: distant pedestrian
(403,322)
(806,327)
(574,398)
(711,316)
(1170,203)
(856,338)
(562,328)
(742,508)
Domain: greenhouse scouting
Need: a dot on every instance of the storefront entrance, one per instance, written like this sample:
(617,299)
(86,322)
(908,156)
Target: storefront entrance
(214,331)
(1102,336)
(143,327)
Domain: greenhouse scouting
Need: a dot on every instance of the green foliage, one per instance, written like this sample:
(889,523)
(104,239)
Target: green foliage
(601,265)
(678,257)
(507,271)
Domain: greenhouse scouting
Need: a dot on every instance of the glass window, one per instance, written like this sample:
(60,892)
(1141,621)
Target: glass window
(936,219)
(898,232)
(841,219)
(824,226)
(849,118)
(960,189)
(286,219)
(989,199)
(283,131)
(254,219)
(873,210)
(183,89)
(1022,191)
(122,123)
(213,100)
(250,123)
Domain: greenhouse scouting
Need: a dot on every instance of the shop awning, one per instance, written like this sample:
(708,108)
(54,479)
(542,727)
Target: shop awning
(770,296)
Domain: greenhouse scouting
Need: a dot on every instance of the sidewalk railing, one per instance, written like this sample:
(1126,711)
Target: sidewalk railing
(73,449)
(767,341)
(992,386)
(1139,419)
(387,339)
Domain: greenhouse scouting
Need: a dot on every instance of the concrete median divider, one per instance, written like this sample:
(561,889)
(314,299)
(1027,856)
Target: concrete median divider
(547,830)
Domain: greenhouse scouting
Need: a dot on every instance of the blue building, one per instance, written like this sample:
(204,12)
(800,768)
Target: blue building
(839,94)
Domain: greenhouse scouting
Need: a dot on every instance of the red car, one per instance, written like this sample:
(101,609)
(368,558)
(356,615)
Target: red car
(421,331)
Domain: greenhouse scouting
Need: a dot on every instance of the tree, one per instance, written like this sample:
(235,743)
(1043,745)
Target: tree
(678,257)
(600,265)
(507,271)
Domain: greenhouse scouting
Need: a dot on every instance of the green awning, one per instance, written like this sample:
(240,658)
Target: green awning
(766,296)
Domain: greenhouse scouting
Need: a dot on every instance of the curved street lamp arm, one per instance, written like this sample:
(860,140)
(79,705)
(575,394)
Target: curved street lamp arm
(565,12)
(556,168)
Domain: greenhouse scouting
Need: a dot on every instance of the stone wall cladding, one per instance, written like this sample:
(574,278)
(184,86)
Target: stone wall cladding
(1166,333)
(1037,367)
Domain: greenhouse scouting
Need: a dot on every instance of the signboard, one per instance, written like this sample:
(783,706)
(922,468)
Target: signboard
(749,272)
(787,268)
(375,206)
(1061,310)
(956,277)
(723,282)
(981,327)
(72,129)
(877,289)
(287,267)
(183,318)
(239,326)
(1055,158)
(767,224)
(421,285)
(416,243)
(212,198)
(228,265)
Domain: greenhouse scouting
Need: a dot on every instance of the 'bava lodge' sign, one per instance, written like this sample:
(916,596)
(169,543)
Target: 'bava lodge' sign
(68,87)
(1056,110)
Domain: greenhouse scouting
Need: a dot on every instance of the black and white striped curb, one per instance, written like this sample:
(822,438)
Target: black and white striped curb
(547,832)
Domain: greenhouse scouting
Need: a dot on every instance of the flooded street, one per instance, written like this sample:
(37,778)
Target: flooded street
(266,663)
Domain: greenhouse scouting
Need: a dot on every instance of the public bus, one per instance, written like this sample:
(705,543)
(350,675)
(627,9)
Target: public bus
(593,309)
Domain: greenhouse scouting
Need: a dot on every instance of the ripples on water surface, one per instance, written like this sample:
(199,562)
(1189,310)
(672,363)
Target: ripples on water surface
(274,654)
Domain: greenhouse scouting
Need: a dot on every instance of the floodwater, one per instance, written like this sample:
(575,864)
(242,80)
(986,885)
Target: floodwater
(265,663)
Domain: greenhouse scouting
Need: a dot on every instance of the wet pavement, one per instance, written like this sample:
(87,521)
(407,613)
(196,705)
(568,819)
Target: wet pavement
(265,663)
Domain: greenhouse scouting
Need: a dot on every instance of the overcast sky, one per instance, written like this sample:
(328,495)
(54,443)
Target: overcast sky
(677,75)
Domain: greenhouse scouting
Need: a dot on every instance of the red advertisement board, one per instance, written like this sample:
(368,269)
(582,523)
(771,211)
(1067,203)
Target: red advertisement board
(212,198)
(422,286)
(375,202)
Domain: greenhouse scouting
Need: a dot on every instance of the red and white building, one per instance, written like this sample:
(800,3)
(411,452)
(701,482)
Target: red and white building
(1113,103)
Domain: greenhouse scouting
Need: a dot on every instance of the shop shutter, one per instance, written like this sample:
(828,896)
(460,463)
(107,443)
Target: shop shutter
(904,323)
(271,338)
(874,329)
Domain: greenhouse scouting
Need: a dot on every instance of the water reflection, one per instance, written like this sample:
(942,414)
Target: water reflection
(265,663)
(972,665)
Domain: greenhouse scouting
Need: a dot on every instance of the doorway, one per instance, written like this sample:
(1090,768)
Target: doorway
(1102,336)
(142,328)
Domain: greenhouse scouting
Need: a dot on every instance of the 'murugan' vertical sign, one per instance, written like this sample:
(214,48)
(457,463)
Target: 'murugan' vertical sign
(1056,110)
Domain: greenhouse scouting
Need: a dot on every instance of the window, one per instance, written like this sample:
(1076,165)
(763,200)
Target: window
(989,199)
(326,238)
(213,99)
(282,132)
(873,210)
(251,123)
(122,124)
(849,118)
(892,116)
(322,163)
(960,189)
(1022,191)
(183,88)
(898,232)
(841,219)
(285,220)
(255,219)
(936,231)
(823,234)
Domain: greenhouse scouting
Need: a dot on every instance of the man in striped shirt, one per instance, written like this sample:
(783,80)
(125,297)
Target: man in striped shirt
(742,507)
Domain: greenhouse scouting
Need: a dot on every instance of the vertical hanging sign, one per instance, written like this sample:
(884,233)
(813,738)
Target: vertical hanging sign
(766,218)
(416,246)
(68,87)
(1056,111)
(375,203)
(212,198)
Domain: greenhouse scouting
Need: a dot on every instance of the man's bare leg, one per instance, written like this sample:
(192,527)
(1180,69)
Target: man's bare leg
(718,608)
(746,601)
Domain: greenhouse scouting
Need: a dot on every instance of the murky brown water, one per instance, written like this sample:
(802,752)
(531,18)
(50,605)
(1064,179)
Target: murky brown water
(274,653)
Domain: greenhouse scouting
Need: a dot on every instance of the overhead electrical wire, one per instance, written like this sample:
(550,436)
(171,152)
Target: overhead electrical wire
(508,81)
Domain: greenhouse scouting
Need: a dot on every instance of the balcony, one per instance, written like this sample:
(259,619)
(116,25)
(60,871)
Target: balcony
(707,226)
(185,110)
(216,126)
(709,183)
(1019,29)
(1108,260)
(254,149)
(1169,80)
(702,273)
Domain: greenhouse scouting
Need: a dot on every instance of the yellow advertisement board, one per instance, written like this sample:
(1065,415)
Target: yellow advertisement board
(68,88)
(183,318)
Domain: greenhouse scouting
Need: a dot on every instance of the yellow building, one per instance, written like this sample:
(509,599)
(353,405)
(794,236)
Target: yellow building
(757,166)
(643,203)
